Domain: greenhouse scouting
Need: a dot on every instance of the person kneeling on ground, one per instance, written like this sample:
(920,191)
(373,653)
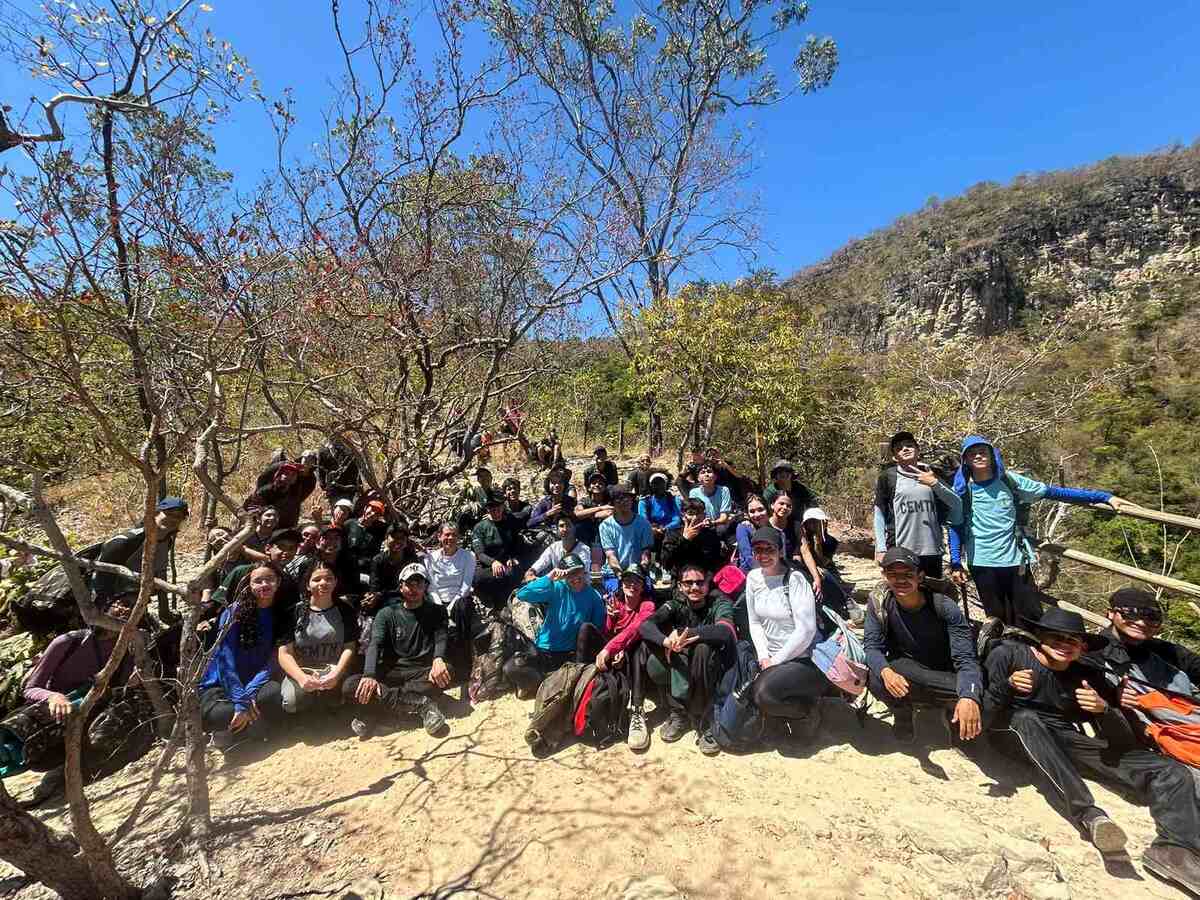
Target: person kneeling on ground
(318,657)
(615,646)
(920,650)
(1039,695)
(782,614)
(405,663)
(237,696)
(687,644)
(570,601)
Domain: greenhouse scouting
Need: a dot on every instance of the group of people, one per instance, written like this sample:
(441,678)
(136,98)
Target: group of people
(710,593)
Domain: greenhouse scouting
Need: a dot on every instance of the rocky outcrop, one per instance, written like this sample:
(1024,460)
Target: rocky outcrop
(1116,238)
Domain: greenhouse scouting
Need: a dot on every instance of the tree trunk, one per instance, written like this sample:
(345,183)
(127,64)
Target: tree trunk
(654,432)
(708,426)
(191,657)
(689,434)
(43,854)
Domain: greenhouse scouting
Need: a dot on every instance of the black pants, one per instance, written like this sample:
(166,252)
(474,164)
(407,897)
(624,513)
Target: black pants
(789,690)
(690,676)
(528,669)
(217,711)
(465,629)
(591,641)
(406,687)
(931,565)
(1001,594)
(1059,752)
(492,590)
(925,686)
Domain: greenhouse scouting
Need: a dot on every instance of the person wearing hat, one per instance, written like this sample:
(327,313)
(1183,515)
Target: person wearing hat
(784,481)
(341,513)
(913,506)
(1038,695)
(625,537)
(285,486)
(782,615)
(717,500)
(603,465)
(405,666)
(695,541)
(497,567)
(660,507)
(365,535)
(920,650)
(570,601)
(125,549)
(568,543)
(991,538)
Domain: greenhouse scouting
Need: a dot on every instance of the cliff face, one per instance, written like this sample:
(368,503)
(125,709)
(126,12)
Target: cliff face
(1119,237)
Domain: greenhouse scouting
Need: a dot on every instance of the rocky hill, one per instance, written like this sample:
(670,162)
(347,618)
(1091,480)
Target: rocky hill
(1119,235)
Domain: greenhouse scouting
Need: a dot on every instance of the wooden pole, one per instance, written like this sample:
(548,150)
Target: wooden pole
(621,437)
(1153,515)
(1162,581)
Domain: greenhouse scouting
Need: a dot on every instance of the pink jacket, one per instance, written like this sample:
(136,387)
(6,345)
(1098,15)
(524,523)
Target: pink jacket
(623,625)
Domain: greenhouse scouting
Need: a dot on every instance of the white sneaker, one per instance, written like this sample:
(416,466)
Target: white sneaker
(639,734)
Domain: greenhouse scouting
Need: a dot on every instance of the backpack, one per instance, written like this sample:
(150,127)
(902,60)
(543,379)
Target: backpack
(551,719)
(49,604)
(737,723)
(842,657)
(602,714)
(1173,723)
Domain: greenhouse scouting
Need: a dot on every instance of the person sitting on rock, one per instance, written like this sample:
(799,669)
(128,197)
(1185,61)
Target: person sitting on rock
(784,481)
(364,538)
(687,645)
(920,650)
(717,500)
(603,465)
(278,550)
(238,696)
(990,538)
(125,549)
(695,543)
(659,507)
(450,572)
(405,668)
(625,537)
(782,616)
(615,645)
(555,503)
(756,518)
(570,601)
(1037,697)
(472,502)
(913,506)
(266,523)
(398,551)
(568,544)
(514,507)
(319,652)
(497,551)
(284,486)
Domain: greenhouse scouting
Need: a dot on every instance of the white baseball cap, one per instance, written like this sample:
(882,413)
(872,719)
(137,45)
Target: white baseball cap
(814,512)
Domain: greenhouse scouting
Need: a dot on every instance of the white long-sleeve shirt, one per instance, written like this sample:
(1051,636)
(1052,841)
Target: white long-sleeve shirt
(553,555)
(783,615)
(450,577)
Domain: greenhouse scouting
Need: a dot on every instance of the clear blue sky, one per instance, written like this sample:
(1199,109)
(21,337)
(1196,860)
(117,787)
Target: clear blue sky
(930,98)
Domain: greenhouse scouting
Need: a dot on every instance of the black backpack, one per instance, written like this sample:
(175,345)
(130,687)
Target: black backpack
(602,717)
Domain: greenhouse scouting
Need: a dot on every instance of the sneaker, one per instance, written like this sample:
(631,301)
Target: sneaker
(1106,835)
(903,725)
(639,735)
(676,726)
(707,743)
(1177,865)
(434,721)
(361,729)
(991,629)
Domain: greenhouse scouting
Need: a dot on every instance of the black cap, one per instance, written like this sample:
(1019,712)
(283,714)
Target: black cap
(767,535)
(286,534)
(1132,596)
(901,555)
(901,436)
(494,498)
(479,469)
(599,451)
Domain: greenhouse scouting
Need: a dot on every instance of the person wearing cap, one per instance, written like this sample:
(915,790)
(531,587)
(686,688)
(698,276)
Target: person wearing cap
(660,507)
(717,500)
(555,503)
(695,541)
(125,549)
(913,506)
(405,666)
(920,650)
(686,646)
(991,539)
(497,567)
(625,537)
(1039,694)
(568,543)
(364,537)
(782,615)
(570,601)
(603,465)
(784,481)
(340,515)
(285,486)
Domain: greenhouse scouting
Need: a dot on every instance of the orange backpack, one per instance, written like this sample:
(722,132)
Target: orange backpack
(1173,723)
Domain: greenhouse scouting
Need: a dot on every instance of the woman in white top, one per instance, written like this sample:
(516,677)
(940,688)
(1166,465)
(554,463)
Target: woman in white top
(783,626)
(449,576)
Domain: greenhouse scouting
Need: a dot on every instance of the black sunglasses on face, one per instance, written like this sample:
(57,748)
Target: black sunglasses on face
(693,583)
(1144,613)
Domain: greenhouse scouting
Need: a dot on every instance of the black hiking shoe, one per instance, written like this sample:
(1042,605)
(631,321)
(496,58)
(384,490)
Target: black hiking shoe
(903,725)
(1105,834)
(1177,865)
(676,726)
(434,721)
(706,743)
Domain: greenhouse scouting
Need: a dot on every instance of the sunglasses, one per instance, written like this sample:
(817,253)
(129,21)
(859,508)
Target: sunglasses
(693,583)
(1144,613)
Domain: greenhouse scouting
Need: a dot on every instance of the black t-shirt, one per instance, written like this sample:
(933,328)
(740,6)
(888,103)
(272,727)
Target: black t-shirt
(1053,695)
(929,633)
(408,637)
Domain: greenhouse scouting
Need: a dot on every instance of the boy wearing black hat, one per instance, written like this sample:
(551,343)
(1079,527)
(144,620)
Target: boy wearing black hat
(913,506)
(603,465)
(1039,695)
(920,650)
(494,541)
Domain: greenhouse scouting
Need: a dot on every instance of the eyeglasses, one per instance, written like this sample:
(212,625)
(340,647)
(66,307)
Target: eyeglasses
(1144,613)
(693,583)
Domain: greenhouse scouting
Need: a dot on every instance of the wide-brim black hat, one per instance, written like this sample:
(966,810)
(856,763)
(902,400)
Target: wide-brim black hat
(1064,621)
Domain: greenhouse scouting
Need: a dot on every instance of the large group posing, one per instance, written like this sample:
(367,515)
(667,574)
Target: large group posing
(716,599)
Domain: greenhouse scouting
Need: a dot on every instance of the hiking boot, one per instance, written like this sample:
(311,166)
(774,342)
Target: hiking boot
(53,783)
(1177,865)
(434,721)
(991,629)
(1105,834)
(903,725)
(706,743)
(639,735)
(806,728)
(361,728)
(676,726)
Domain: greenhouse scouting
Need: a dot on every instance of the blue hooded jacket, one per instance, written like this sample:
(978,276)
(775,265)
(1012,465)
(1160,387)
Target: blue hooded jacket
(990,534)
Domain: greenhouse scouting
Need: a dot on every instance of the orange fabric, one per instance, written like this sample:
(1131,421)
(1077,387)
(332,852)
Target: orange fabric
(1178,740)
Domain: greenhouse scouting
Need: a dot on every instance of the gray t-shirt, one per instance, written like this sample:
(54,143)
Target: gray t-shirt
(915,511)
(320,640)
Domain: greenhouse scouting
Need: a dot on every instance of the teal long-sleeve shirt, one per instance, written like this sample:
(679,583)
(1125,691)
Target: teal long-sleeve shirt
(566,611)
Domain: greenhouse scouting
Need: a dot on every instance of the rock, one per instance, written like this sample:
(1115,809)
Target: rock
(1025,868)
(656,887)
(364,889)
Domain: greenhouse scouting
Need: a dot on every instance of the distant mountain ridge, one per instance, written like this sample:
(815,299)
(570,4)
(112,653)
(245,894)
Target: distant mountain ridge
(1119,235)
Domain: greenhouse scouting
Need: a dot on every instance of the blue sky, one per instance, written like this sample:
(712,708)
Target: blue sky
(930,98)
